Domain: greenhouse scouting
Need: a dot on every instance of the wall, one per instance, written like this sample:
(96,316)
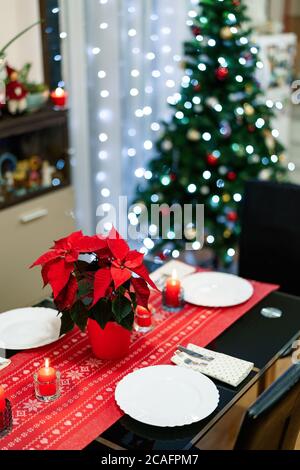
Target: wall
(257,11)
(15,16)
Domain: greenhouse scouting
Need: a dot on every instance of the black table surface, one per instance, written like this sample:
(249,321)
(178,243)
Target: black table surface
(253,338)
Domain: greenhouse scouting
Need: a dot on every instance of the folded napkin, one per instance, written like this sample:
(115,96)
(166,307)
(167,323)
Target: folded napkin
(227,369)
(4,363)
(160,275)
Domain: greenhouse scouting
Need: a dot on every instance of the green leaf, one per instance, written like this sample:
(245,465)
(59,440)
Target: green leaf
(121,307)
(79,315)
(67,324)
(102,313)
(127,322)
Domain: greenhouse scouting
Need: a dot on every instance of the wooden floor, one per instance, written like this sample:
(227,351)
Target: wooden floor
(224,433)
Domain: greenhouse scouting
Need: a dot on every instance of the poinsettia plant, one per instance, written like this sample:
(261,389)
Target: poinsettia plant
(107,285)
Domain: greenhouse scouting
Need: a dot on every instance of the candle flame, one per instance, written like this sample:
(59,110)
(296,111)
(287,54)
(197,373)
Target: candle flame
(47,363)
(59,92)
(174,275)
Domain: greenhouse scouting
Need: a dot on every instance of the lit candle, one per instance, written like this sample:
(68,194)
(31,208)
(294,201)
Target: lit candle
(143,317)
(2,399)
(173,289)
(59,97)
(47,380)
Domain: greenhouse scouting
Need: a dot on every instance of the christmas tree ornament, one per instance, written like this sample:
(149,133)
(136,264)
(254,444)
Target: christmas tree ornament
(251,128)
(265,175)
(212,101)
(222,73)
(193,135)
(249,89)
(249,110)
(204,190)
(167,145)
(197,87)
(225,129)
(226,198)
(226,33)
(232,216)
(196,30)
(231,176)
(212,160)
(198,108)
(227,233)
(269,139)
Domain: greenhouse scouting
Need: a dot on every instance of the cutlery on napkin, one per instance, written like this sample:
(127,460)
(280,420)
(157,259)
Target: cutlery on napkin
(4,363)
(224,368)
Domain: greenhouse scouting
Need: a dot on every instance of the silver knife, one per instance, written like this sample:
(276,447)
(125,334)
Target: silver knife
(195,354)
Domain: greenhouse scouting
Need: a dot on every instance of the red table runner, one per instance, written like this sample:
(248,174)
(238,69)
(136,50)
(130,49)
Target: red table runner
(87,406)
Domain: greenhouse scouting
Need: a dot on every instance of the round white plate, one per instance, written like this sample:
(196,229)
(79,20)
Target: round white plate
(27,328)
(167,396)
(216,289)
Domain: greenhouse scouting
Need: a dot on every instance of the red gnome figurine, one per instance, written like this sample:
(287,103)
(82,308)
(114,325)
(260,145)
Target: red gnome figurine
(16,93)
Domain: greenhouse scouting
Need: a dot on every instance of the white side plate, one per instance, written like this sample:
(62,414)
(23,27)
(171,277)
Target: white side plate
(214,289)
(27,328)
(167,396)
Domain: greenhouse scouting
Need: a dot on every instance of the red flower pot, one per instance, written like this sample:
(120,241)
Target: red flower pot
(111,343)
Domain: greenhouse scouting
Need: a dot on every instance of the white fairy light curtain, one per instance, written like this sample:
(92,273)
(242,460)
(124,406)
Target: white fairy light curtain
(134,54)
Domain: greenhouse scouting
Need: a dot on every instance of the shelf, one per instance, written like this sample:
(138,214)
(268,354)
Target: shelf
(11,126)
(28,197)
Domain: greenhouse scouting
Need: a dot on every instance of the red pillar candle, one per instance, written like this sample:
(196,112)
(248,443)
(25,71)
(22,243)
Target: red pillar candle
(2,399)
(143,317)
(2,407)
(47,380)
(59,97)
(172,292)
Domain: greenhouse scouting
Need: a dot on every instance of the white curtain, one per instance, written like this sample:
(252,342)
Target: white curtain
(122,61)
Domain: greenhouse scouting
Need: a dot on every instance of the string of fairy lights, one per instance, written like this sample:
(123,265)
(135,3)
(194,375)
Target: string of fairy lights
(149,60)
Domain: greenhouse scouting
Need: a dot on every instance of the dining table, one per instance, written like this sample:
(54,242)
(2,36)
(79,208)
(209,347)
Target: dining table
(253,337)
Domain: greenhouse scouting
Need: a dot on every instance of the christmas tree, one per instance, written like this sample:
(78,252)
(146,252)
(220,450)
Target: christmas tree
(220,133)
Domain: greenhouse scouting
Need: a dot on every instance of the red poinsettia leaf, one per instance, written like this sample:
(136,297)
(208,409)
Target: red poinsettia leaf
(117,245)
(67,297)
(143,273)
(101,284)
(45,258)
(57,274)
(142,291)
(120,276)
(71,240)
(90,244)
(134,259)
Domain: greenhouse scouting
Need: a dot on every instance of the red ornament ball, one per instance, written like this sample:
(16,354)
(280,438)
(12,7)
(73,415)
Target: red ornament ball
(236,3)
(222,73)
(197,87)
(232,216)
(196,31)
(173,177)
(251,128)
(231,176)
(212,160)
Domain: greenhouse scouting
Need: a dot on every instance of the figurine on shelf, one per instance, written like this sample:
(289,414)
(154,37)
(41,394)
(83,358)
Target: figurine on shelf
(16,93)
(34,175)
(47,174)
(21,177)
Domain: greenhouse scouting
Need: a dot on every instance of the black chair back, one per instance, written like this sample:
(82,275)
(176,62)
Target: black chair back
(270,238)
(273,421)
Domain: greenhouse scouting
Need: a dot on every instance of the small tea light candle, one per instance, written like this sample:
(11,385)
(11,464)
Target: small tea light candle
(47,382)
(143,319)
(173,294)
(59,98)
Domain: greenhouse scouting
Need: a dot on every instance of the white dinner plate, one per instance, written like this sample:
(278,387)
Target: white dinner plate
(27,328)
(167,396)
(214,289)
